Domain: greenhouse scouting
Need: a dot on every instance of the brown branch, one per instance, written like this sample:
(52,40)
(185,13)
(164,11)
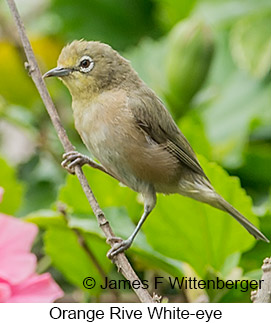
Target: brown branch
(263,294)
(120,260)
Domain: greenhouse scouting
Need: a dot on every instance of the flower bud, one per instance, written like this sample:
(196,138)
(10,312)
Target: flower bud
(188,60)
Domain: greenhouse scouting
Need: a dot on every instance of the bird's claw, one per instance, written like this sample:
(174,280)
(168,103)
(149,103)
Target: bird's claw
(119,246)
(72,159)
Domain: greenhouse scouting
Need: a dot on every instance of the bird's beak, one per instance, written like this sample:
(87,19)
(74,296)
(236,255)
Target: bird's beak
(58,72)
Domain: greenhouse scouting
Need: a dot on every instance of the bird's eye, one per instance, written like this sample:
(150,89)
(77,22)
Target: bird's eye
(86,64)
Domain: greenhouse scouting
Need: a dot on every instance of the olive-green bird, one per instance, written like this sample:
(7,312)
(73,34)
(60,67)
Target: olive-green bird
(128,129)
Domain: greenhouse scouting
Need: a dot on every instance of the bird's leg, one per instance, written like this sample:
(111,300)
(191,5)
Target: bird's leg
(121,245)
(73,158)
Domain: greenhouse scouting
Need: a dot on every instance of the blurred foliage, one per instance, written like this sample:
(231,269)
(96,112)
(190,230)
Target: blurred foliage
(251,43)
(127,20)
(209,61)
(13,190)
(169,12)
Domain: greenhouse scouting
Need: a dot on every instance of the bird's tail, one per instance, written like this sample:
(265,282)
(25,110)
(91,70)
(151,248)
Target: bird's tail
(203,191)
(223,205)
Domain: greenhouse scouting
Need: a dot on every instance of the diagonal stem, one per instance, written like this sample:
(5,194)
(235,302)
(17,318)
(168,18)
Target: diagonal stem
(120,260)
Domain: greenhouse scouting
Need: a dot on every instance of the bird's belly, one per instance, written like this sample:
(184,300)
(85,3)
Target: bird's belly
(108,150)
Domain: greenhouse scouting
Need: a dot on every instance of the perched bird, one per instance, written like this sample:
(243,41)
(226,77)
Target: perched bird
(128,129)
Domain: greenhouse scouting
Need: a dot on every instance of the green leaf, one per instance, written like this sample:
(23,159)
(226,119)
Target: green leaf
(122,226)
(62,245)
(141,251)
(42,176)
(46,218)
(190,231)
(13,189)
(193,128)
(67,255)
(107,190)
(251,43)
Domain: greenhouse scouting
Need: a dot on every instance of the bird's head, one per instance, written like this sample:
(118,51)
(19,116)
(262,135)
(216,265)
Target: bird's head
(88,67)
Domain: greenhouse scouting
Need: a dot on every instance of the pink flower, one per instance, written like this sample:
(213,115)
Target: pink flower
(18,280)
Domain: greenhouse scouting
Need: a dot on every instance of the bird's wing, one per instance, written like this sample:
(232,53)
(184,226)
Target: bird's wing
(158,124)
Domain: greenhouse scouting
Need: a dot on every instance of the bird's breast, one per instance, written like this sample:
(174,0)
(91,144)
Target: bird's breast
(96,127)
(105,128)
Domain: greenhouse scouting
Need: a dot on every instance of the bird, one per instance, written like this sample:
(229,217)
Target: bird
(128,129)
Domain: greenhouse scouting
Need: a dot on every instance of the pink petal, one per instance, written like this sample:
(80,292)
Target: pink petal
(36,289)
(16,238)
(16,234)
(17,266)
(5,292)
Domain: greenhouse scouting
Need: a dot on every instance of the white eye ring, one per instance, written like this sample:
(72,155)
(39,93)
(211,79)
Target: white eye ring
(86,64)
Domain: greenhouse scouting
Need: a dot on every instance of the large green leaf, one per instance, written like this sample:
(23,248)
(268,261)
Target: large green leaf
(107,190)
(196,233)
(193,128)
(123,226)
(144,254)
(46,218)
(67,255)
(13,189)
(251,43)
(42,176)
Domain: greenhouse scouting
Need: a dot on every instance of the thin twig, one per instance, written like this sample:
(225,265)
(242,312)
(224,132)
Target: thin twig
(120,260)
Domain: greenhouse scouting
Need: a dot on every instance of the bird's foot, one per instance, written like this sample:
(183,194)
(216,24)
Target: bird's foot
(74,158)
(119,246)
